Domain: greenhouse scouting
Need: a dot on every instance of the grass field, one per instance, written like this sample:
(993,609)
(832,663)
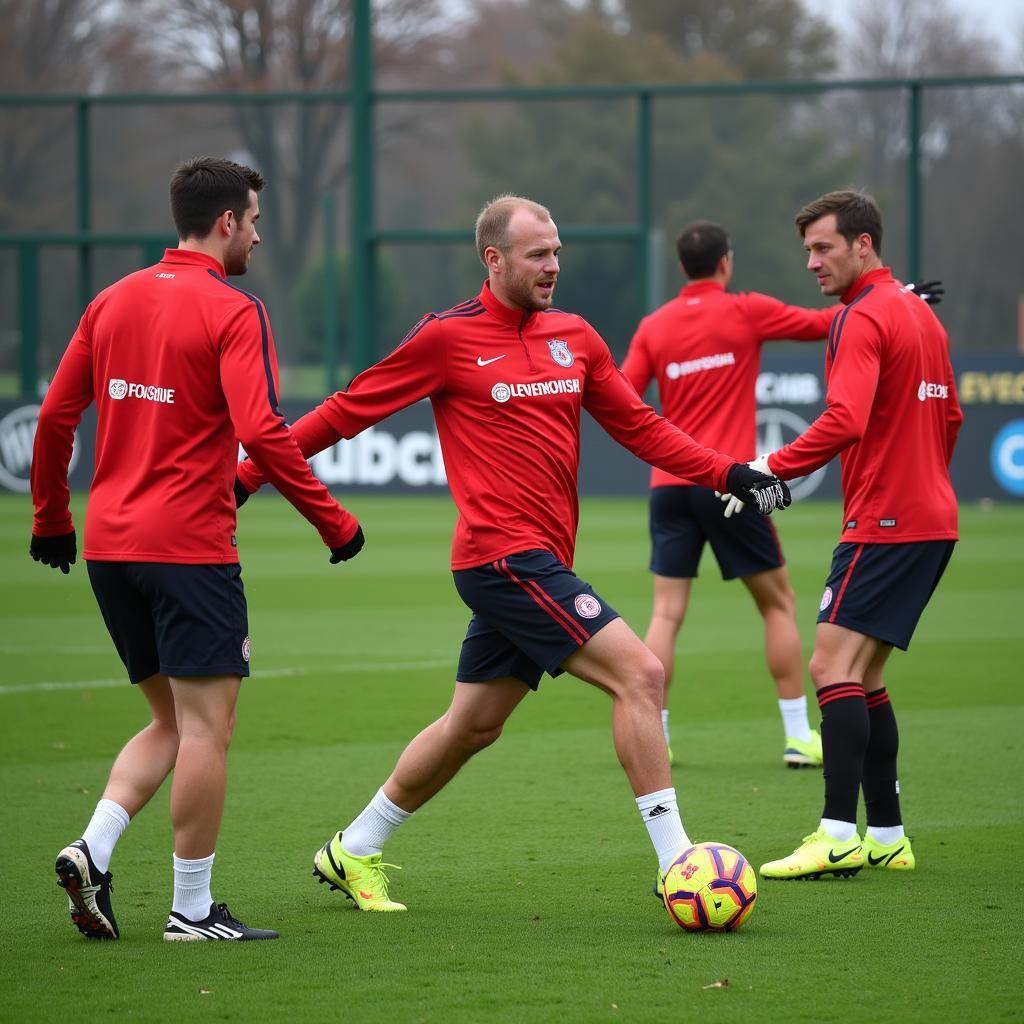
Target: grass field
(529,878)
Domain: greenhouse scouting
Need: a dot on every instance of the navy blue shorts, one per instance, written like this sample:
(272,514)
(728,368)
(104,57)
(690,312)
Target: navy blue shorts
(180,620)
(529,614)
(683,518)
(881,590)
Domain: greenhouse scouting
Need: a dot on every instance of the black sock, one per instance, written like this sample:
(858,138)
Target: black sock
(844,738)
(881,785)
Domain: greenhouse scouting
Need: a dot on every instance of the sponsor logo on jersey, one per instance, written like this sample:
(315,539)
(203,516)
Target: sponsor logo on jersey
(536,389)
(480,361)
(676,370)
(852,524)
(587,606)
(926,390)
(887,522)
(560,352)
(826,599)
(246,650)
(166,277)
(119,389)
(17,434)
(1006,457)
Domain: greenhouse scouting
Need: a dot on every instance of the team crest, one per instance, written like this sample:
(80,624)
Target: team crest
(587,606)
(560,352)
(826,599)
(246,650)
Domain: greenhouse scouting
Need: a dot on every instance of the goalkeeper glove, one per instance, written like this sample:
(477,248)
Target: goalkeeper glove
(58,552)
(928,291)
(750,485)
(350,549)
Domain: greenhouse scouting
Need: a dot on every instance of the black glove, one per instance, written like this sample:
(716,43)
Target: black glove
(765,493)
(241,494)
(57,552)
(349,550)
(928,291)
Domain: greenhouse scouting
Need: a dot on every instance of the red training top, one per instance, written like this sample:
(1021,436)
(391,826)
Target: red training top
(704,350)
(507,390)
(182,367)
(892,413)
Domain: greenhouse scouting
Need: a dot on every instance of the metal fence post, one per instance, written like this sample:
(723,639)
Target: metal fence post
(644,204)
(330,299)
(28,316)
(361,256)
(914,182)
(84,181)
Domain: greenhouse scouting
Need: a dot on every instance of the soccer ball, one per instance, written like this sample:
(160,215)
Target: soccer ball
(709,887)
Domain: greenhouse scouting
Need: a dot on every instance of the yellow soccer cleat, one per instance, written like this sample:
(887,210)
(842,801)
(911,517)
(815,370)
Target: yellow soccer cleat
(803,753)
(361,879)
(819,855)
(898,856)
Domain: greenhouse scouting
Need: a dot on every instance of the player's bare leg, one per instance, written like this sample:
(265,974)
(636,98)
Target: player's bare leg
(671,599)
(148,757)
(617,661)
(351,860)
(473,721)
(137,773)
(776,602)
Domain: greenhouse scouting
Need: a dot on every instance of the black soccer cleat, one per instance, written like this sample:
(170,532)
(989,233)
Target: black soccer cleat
(88,891)
(217,925)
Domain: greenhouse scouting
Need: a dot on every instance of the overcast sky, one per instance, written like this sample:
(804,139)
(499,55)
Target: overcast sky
(1002,19)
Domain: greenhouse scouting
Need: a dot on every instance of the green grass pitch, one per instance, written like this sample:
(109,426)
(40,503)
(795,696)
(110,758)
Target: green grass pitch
(529,878)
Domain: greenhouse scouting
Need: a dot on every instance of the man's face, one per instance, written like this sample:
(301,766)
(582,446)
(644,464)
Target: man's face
(835,262)
(243,239)
(524,277)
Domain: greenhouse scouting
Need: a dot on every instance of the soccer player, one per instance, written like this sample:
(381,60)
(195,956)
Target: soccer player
(181,366)
(508,378)
(893,417)
(704,350)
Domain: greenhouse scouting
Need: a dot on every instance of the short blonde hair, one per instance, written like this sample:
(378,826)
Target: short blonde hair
(492,224)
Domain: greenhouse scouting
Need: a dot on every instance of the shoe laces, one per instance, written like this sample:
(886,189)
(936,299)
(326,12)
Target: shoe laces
(379,880)
(227,916)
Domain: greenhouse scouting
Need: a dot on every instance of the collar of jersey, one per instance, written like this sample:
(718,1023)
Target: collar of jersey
(700,287)
(876,276)
(498,309)
(195,259)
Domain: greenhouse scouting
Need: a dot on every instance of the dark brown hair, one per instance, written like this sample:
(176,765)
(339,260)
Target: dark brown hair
(857,214)
(701,245)
(203,188)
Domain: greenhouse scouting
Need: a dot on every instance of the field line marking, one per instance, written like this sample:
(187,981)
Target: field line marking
(275,673)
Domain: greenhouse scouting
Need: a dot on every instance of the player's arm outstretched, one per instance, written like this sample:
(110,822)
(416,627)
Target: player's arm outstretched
(249,381)
(610,398)
(415,370)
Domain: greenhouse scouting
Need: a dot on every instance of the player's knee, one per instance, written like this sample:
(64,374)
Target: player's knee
(822,670)
(478,737)
(646,680)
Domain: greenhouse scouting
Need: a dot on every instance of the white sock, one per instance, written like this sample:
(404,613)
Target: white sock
(842,831)
(664,825)
(886,834)
(664,725)
(794,718)
(192,898)
(108,822)
(371,829)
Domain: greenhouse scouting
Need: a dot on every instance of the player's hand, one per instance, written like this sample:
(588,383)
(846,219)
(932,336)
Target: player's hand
(928,291)
(57,552)
(733,505)
(349,550)
(241,494)
(753,487)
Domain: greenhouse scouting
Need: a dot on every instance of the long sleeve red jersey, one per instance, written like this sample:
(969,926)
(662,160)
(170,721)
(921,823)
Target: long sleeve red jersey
(181,365)
(507,390)
(703,348)
(892,415)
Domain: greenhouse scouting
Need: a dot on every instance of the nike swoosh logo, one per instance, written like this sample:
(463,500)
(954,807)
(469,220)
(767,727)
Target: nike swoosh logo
(836,859)
(875,861)
(480,361)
